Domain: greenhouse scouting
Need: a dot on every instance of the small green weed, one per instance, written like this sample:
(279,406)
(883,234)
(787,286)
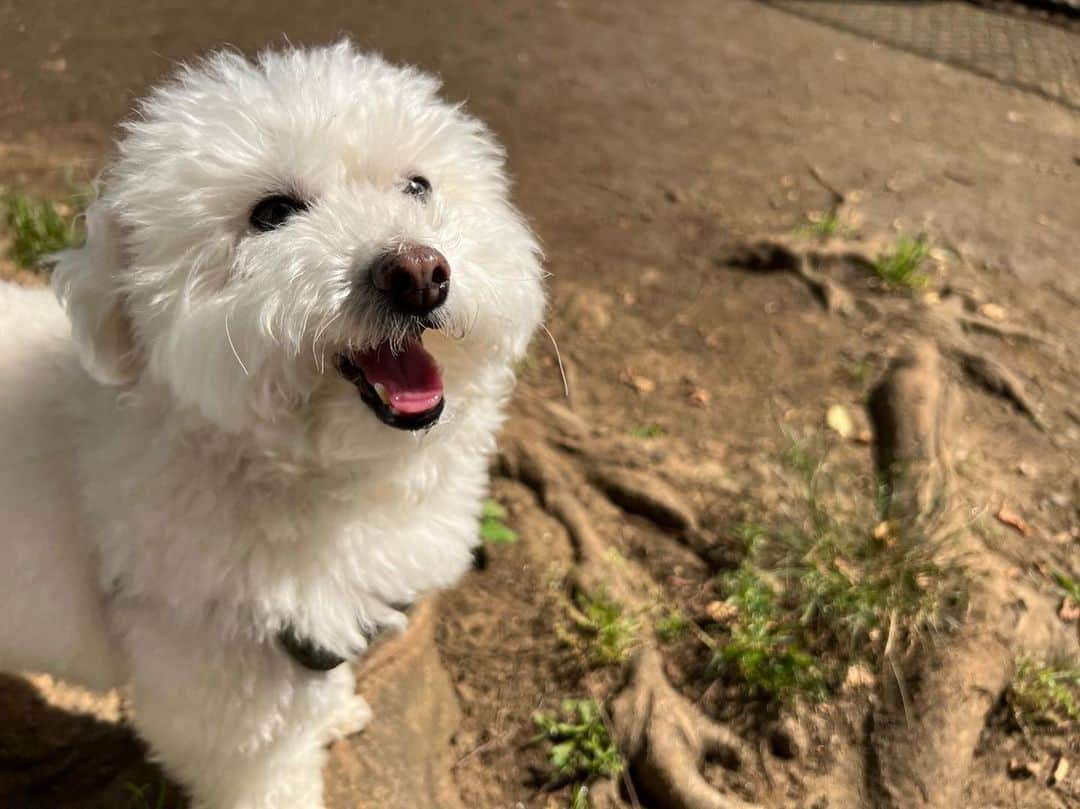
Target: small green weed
(493,527)
(818,592)
(579,798)
(671,626)
(822,225)
(38,228)
(1045,694)
(581,748)
(764,648)
(903,266)
(1067,584)
(605,633)
(650,430)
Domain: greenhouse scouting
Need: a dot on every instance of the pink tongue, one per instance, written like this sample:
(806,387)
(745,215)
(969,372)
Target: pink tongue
(410,378)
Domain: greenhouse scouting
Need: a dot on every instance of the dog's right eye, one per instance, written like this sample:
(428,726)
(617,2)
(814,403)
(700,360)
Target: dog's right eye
(273,212)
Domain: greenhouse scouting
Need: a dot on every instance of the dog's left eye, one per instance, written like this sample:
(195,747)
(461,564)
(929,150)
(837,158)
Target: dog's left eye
(272,212)
(418,186)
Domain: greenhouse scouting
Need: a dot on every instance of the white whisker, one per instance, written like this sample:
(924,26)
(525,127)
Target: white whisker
(232,345)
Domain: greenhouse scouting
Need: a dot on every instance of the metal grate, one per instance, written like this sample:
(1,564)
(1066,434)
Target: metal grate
(1024,53)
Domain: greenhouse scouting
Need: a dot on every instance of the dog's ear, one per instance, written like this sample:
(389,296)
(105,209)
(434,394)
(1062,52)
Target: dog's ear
(85,281)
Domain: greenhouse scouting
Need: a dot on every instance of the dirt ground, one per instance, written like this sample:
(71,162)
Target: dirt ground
(651,145)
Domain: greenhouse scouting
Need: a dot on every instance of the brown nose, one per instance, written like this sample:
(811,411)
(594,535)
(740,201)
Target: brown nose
(416,279)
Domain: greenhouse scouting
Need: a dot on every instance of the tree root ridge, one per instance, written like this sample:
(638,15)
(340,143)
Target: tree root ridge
(997,379)
(947,321)
(919,737)
(923,742)
(776,255)
(665,739)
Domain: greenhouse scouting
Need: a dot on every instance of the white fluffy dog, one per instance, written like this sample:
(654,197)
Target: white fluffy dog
(264,425)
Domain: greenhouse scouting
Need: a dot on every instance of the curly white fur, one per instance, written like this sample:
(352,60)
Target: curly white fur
(184,471)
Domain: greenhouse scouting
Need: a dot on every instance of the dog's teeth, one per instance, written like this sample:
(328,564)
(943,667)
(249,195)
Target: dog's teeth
(379,389)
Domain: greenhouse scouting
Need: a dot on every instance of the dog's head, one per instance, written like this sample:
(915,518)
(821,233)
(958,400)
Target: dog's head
(314,242)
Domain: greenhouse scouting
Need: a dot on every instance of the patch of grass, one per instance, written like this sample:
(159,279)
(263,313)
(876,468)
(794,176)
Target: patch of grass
(903,266)
(609,634)
(1045,694)
(493,528)
(821,590)
(38,228)
(764,648)
(650,430)
(1067,584)
(581,748)
(822,226)
(671,626)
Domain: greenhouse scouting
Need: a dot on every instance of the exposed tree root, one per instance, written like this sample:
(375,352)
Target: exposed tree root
(997,379)
(920,734)
(775,255)
(907,409)
(947,321)
(923,731)
(645,495)
(976,323)
(665,738)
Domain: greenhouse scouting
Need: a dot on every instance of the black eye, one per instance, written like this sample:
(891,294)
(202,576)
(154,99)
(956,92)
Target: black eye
(272,212)
(418,186)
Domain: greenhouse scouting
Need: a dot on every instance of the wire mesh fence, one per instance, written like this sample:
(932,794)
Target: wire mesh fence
(1033,54)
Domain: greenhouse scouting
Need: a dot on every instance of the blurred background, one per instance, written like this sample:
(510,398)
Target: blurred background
(749,210)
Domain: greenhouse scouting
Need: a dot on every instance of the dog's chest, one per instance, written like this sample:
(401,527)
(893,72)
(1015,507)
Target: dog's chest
(331,562)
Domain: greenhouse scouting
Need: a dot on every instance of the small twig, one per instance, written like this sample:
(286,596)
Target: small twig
(558,357)
(1004,330)
(839,198)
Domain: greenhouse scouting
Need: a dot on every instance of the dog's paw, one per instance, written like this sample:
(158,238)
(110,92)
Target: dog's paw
(350,718)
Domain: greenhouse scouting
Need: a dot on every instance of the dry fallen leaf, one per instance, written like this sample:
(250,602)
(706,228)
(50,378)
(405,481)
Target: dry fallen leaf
(858,676)
(1069,610)
(1061,769)
(1007,516)
(642,384)
(1022,769)
(57,65)
(845,567)
(885,531)
(720,611)
(700,397)
(839,421)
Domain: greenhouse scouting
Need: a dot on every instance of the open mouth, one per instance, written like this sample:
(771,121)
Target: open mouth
(404,389)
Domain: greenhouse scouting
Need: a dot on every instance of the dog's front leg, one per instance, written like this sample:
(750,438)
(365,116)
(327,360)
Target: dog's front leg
(238,724)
